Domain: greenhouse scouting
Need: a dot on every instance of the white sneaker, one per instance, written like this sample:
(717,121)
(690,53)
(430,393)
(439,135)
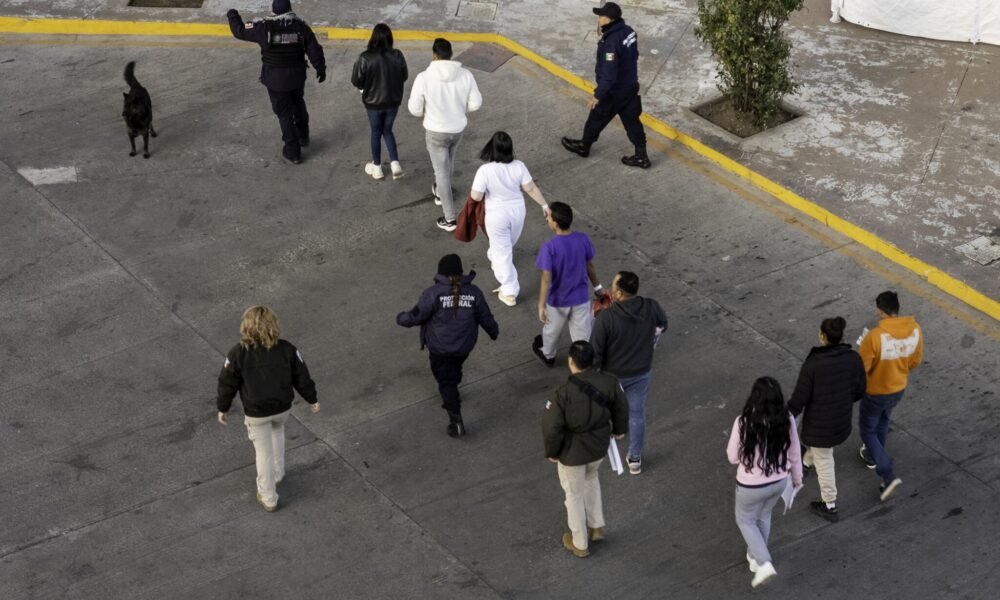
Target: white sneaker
(508,300)
(754,567)
(397,169)
(434,192)
(374,170)
(887,490)
(765,573)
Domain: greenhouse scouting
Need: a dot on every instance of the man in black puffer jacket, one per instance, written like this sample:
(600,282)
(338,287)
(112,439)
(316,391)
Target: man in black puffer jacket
(577,426)
(450,313)
(831,380)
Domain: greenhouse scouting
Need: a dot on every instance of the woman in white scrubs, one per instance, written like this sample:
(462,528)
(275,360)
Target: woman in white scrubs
(502,183)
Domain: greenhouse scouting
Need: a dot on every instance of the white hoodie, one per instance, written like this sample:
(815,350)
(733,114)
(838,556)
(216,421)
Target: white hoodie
(442,95)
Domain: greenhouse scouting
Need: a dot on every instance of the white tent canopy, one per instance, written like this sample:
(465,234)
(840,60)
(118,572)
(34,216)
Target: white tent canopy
(954,20)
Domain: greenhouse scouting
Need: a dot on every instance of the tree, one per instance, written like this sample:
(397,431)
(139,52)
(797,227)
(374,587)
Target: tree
(747,38)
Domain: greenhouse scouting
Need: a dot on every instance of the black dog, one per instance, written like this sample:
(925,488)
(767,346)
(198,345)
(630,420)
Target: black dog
(138,112)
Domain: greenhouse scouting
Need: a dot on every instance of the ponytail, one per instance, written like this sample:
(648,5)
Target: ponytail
(455,280)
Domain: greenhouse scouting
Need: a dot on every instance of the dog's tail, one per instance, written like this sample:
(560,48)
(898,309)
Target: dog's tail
(130,75)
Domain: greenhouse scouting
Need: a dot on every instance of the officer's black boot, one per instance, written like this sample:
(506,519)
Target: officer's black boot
(291,156)
(576,146)
(456,428)
(639,159)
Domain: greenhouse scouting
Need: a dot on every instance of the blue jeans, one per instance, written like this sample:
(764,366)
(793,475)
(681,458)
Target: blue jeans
(381,123)
(873,421)
(636,389)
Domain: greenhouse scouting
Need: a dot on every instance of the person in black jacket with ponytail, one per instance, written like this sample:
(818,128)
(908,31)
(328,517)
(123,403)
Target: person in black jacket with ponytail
(379,73)
(831,380)
(449,314)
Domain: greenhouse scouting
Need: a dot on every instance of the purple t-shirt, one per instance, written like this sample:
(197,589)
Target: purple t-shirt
(566,257)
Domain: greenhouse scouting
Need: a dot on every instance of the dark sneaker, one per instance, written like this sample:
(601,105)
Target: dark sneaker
(456,430)
(304,141)
(567,540)
(447,225)
(292,158)
(576,147)
(820,508)
(536,347)
(866,458)
(887,490)
(636,161)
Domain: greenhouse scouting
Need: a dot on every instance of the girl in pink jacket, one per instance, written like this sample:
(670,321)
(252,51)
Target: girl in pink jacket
(765,446)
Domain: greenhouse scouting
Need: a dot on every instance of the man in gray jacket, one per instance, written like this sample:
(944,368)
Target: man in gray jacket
(624,337)
(577,426)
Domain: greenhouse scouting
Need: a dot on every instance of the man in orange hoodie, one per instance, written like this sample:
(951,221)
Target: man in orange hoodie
(889,351)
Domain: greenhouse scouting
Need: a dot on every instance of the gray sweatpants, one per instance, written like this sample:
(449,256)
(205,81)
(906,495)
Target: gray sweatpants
(753,517)
(579,317)
(441,147)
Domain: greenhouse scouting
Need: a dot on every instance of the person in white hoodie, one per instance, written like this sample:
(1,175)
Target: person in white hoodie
(442,95)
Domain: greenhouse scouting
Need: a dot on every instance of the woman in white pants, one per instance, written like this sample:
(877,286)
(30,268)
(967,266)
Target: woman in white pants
(265,371)
(502,183)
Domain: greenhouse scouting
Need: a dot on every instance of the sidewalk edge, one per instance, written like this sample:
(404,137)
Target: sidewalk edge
(934,276)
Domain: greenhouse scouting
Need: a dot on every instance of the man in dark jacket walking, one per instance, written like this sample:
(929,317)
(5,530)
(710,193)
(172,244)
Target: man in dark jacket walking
(831,380)
(577,427)
(624,337)
(617,91)
(449,314)
(284,41)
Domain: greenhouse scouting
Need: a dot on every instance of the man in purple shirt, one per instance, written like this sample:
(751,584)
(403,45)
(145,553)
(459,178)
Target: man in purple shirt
(567,276)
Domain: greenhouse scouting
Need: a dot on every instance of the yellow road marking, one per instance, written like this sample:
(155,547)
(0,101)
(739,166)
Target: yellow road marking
(925,271)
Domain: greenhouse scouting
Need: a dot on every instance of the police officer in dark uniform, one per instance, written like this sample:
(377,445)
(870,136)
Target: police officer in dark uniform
(284,40)
(617,90)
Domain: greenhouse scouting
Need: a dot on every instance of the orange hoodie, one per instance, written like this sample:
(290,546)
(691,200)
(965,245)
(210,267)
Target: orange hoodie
(890,352)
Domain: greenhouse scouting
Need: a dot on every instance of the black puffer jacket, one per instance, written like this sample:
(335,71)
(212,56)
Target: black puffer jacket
(380,76)
(576,428)
(831,380)
(447,330)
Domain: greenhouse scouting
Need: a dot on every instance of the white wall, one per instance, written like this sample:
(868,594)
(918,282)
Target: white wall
(956,20)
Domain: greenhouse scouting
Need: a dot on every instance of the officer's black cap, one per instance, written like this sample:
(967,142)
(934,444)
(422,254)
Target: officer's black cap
(610,10)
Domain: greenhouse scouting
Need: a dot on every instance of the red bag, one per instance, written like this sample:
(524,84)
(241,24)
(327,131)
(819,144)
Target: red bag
(601,303)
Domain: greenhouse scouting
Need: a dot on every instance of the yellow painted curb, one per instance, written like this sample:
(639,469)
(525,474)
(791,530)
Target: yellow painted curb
(932,275)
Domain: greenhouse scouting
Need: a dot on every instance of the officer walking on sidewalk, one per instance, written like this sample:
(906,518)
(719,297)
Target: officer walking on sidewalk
(617,90)
(284,41)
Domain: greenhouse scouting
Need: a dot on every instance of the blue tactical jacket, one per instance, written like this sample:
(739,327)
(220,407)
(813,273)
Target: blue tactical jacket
(445,329)
(617,61)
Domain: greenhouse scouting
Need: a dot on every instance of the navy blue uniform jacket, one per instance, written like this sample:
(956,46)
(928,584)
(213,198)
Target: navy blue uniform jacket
(277,78)
(617,62)
(444,330)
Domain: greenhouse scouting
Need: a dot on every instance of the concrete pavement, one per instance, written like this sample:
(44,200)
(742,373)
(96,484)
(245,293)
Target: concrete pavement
(124,285)
(897,134)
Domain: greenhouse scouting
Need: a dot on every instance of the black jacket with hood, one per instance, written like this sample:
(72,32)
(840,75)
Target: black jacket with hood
(576,428)
(380,77)
(624,334)
(831,380)
(447,330)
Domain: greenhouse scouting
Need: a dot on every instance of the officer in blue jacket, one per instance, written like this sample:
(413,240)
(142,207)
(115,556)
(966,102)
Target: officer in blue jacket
(449,314)
(617,90)
(284,41)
